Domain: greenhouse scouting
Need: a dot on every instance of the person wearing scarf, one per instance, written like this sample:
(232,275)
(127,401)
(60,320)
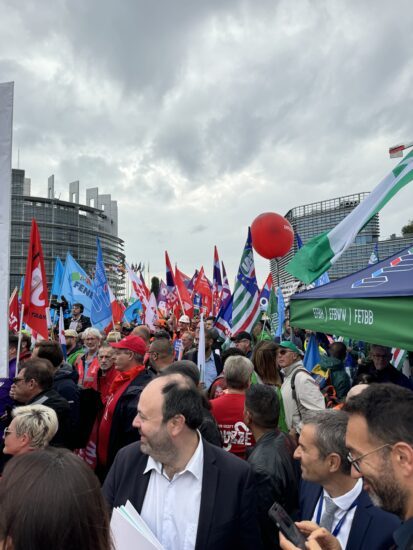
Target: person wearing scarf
(115,429)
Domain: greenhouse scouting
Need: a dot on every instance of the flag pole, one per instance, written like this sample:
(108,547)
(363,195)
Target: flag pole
(19,343)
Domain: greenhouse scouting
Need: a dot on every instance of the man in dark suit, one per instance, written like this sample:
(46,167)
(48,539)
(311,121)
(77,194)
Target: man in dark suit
(329,496)
(191,494)
(78,321)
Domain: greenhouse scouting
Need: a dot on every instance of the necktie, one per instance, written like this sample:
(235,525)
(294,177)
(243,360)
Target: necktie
(327,519)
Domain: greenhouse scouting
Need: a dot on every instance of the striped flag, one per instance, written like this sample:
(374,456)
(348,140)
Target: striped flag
(322,251)
(398,357)
(246,298)
(223,322)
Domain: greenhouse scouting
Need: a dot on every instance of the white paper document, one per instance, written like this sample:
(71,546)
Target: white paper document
(129,530)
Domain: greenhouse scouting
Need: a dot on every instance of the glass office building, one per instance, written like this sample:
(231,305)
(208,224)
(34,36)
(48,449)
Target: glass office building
(65,226)
(312,219)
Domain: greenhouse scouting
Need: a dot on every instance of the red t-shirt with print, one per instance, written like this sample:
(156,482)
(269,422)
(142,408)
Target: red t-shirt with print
(228,411)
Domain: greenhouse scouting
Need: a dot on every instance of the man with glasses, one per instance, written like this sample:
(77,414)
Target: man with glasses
(380,443)
(299,391)
(384,370)
(329,496)
(33,385)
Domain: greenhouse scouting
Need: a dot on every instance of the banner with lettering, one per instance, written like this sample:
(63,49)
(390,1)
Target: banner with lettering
(374,304)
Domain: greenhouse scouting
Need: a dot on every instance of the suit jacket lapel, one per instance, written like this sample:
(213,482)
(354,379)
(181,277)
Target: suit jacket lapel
(361,522)
(208,504)
(141,482)
(310,494)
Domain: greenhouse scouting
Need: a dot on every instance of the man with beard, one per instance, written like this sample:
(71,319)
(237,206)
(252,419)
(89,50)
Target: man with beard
(191,493)
(380,443)
(329,496)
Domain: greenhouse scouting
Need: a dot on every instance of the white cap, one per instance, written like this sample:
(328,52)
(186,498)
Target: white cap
(184,319)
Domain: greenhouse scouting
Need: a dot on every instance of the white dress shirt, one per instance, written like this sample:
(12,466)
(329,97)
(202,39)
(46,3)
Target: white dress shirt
(343,502)
(171,506)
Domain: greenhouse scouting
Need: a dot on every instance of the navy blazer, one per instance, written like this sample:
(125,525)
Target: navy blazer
(227,515)
(372,528)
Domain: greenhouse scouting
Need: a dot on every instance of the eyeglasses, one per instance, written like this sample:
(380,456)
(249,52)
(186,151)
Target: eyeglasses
(283,351)
(7,431)
(355,461)
(17,380)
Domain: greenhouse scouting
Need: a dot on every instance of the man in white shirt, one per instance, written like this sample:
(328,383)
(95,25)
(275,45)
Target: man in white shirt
(192,495)
(329,496)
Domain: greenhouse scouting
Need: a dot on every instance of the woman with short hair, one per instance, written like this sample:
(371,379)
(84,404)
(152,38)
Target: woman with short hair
(32,427)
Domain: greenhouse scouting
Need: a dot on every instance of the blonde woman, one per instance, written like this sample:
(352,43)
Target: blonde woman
(32,427)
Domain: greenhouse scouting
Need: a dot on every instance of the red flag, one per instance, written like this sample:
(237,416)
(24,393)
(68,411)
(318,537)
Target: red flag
(35,286)
(203,288)
(117,311)
(14,311)
(145,288)
(184,293)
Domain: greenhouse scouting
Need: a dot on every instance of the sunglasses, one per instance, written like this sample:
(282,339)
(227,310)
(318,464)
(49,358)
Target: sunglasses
(283,351)
(17,380)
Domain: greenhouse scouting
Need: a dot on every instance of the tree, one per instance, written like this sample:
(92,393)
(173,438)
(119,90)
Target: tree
(407,229)
(155,286)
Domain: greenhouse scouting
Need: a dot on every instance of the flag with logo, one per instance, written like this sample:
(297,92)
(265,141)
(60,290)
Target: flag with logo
(162,298)
(323,251)
(101,310)
(226,290)
(374,257)
(134,312)
(14,311)
(172,298)
(216,284)
(265,293)
(246,298)
(35,286)
(77,286)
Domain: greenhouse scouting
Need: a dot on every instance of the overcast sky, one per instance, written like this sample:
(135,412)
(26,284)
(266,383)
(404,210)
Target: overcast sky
(199,115)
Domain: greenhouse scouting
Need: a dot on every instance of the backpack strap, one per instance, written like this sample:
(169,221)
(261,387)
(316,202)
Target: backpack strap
(300,407)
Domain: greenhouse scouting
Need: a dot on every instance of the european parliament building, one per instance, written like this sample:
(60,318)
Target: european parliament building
(312,219)
(65,226)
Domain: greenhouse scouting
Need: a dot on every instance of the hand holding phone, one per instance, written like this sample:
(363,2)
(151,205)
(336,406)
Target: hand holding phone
(286,525)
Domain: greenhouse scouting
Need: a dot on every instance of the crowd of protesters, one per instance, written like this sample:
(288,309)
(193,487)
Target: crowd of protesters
(203,457)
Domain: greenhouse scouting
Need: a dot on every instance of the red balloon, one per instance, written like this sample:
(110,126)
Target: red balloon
(272,235)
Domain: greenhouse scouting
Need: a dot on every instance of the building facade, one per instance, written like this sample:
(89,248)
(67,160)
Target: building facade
(65,226)
(312,219)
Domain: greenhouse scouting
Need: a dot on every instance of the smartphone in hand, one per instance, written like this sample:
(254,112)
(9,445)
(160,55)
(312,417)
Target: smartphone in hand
(286,525)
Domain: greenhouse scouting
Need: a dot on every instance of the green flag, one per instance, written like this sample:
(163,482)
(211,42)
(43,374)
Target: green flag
(272,312)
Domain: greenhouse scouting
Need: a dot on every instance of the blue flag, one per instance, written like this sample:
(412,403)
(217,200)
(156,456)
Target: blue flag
(312,354)
(374,258)
(132,313)
(101,310)
(77,286)
(281,312)
(57,277)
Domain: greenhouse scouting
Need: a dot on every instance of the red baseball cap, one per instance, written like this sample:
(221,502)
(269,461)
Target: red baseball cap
(132,343)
